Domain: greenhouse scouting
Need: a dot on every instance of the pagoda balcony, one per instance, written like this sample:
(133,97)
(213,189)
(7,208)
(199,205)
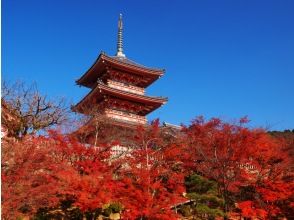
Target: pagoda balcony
(126,87)
(124,116)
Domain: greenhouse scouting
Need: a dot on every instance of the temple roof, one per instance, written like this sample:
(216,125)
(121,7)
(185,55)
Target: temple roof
(127,61)
(98,94)
(105,62)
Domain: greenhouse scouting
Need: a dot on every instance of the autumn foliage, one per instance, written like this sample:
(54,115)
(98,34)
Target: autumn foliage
(236,170)
(44,173)
(241,159)
(152,180)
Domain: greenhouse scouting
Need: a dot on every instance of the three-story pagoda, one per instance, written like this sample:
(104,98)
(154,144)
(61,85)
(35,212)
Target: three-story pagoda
(118,88)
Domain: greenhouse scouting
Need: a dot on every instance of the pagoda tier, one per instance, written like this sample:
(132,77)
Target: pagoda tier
(107,97)
(119,69)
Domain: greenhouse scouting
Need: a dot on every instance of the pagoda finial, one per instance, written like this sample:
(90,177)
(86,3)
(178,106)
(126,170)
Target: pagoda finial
(119,52)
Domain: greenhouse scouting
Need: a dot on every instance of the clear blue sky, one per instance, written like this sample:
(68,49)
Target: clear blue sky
(222,58)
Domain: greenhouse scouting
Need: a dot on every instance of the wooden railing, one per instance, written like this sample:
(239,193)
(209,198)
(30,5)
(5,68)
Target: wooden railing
(125,87)
(115,114)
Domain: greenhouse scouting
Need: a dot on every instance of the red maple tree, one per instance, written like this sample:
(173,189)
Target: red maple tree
(238,157)
(271,178)
(41,172)
(29,178)
(87,178)
(152,181)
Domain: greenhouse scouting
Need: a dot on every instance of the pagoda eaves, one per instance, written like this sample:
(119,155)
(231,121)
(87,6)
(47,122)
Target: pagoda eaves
(104,93)
(105,64)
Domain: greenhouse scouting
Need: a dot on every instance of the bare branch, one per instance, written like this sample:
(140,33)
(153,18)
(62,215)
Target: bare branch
(33,111)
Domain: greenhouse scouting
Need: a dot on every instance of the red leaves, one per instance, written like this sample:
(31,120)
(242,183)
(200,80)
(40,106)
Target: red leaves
(41,171)
(236,156)
(249,210)
(45,171)
(152,184)
(244,120)
(218,148)
(29,176)
(272,191)
(147,179)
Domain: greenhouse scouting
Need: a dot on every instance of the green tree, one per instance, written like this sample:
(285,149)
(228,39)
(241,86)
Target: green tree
(205,203)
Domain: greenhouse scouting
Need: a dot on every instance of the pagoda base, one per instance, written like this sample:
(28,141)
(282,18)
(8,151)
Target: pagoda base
(106,130)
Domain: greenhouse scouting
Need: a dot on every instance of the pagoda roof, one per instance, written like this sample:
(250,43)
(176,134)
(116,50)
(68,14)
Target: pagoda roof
(104,62)
(97,94)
